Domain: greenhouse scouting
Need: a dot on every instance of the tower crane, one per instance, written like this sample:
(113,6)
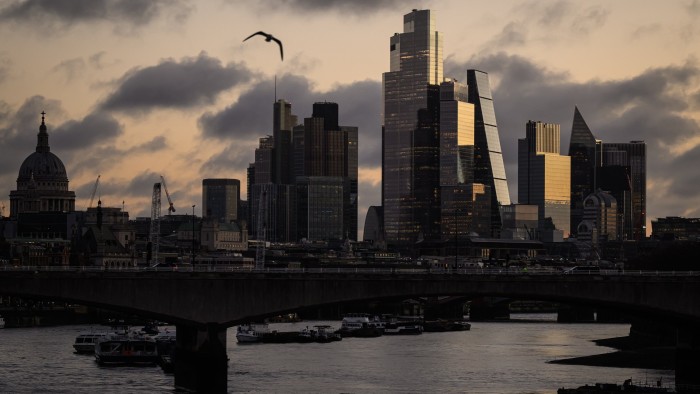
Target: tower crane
(154,236)
(171,209)
(94,190)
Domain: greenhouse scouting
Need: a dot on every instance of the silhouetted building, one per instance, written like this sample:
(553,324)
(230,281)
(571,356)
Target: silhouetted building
(320,208)
(374,225)
(42,183)
(632,155)
(520,221)
(410,155)
(221,199)
(617,181)
(599,223)
(676,228)
(585,159)
(544,176)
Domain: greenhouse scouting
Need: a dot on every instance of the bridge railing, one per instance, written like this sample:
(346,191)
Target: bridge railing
(353,270)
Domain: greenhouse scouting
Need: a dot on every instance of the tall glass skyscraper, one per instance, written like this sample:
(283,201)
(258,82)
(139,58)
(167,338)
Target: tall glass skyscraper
(488,157)
(410,157)
(585,159)
(633,155)
(221,198)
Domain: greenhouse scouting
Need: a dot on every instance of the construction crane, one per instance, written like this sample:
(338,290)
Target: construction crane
(171,209)
(94,190)
(154,237)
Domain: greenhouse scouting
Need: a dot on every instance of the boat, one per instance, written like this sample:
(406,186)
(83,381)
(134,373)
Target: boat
(2,322)
(252,332)
(130,349)
(318,334)
(85,342)
(401,326)
(360,325)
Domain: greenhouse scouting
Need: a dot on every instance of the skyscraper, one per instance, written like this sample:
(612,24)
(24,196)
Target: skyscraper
(221,199)
(544,176)
(329,155)
(410,154)
(633,155)
(488,157)
(585,159)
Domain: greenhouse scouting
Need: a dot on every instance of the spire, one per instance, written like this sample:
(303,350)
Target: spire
(42,144)
(580,133)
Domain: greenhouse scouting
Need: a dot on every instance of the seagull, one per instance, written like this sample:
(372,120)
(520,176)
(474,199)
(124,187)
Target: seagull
(268,38)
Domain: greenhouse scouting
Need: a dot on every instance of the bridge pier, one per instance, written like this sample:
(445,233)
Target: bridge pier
(201,363)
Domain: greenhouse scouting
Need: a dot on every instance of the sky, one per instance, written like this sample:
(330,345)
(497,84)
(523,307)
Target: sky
(136,89)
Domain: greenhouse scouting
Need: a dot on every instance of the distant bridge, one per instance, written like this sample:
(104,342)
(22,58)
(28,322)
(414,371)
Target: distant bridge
(203,301)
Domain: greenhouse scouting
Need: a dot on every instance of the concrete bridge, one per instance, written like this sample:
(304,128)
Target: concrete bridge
(205,301)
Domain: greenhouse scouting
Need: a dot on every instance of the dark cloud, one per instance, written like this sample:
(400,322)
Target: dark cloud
(50,15)
(188,83)
(359,105)
(235,157)
(96,128)
(652,106)
(344,7)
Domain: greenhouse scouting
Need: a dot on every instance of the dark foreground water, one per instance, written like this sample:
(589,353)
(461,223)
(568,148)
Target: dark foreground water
(491,358)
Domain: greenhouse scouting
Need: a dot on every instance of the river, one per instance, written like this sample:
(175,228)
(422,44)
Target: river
(499,357)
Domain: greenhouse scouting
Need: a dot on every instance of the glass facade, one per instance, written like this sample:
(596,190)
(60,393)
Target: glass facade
(585,159)
(410,136)
(221,199)
(632,155)
(544,176)
(488,157)
(320,208)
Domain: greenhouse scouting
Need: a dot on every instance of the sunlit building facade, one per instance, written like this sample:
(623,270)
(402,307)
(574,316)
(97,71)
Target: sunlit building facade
(544,176)
(410,155)
(488,157)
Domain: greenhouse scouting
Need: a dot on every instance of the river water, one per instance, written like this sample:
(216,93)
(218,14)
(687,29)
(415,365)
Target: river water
(507,357)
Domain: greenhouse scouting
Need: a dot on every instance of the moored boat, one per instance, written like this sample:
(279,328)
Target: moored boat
(360,325)
(85,342)
(252,332)
(131,349)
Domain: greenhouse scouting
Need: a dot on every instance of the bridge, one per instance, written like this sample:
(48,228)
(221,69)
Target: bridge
(203,301)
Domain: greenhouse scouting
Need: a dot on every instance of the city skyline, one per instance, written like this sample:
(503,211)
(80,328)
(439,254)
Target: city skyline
(90,71)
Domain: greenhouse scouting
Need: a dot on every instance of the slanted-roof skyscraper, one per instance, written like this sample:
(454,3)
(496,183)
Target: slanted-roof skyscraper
(410,159)
(585,159)
(488,157)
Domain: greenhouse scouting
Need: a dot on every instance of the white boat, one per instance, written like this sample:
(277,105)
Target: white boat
(360,325)
(130,349)
(251,332)
(85,342)
(2,322)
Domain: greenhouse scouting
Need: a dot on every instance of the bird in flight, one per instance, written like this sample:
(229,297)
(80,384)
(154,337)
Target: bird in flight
(268,38)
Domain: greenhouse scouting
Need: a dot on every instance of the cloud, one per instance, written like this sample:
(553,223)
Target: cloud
(70,68)
(191,82)
(5,64)
(50,15)
(355,8)
(654,106)
(235,157)
(246,120)
(95,128)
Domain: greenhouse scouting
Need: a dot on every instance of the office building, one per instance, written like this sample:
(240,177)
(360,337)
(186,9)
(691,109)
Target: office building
(410,155)
(544,176)
(633,155)
(488,157)
(599,223)
(221,199)
(585,159)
